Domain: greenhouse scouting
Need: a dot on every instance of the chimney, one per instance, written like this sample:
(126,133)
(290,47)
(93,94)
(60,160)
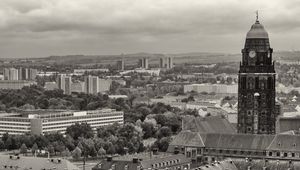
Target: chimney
(135,160)
(109,158)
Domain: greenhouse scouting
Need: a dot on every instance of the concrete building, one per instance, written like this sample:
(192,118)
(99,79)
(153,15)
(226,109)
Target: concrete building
(50,85)
(144,63)
(94,85)
(166,62)
(209,88)
(32,74)
(91,84)
(11,74)
(121,65)
(64,83)
(83,71)
(11,162)
(46,121)
(15,84)
(23,74)
(144,161)
(77,87)
(104,85)
(19,74)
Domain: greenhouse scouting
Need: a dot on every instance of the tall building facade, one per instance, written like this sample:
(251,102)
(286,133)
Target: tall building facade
(166,62)
(144,63)
(11,74)
(20,74)
(91,84)
(256,88)
(64,83)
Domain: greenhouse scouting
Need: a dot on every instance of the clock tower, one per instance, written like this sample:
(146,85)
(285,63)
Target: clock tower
(256,88)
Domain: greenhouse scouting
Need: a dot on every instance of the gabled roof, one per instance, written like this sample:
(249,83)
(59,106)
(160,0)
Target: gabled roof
(285,142)
(188,138)
(237,141)
(180,157)
(35,163)
(211,124)
(223,165)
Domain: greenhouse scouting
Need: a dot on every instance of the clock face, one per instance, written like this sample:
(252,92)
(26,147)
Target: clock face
(252,54)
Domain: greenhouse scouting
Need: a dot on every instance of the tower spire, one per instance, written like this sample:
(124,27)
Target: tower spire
(256,15)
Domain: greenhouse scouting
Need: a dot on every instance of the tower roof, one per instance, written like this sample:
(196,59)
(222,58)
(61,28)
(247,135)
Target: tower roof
(257,31)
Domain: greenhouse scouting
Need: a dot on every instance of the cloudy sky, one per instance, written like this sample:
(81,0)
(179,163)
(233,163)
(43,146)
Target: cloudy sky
(39,28)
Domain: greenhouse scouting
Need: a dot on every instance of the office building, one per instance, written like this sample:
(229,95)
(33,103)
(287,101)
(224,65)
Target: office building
(91,84)
(64,83)
(256,87)
(47,121)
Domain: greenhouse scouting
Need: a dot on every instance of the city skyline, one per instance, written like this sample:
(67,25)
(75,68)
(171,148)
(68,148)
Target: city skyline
(43,28)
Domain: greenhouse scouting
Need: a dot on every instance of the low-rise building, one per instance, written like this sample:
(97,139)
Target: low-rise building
(210,88)
(47,121)
(15,84)
(138,162)
(209,147)
(10,162)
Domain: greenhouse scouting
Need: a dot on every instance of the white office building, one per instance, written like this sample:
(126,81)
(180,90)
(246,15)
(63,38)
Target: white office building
(46,121)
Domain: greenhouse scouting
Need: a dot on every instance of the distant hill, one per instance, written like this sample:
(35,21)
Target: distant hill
(179,58)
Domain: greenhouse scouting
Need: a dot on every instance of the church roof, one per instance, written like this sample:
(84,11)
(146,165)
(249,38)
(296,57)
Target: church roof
(257,31)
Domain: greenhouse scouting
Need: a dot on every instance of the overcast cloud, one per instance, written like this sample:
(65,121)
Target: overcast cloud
(39,28)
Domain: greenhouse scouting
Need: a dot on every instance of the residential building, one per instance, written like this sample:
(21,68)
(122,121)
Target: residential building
(144,63)
(15,84)
(50,85)
(10,162)
(91,70)
(47,121)
(211,88)
(91,84)
(256,99)
(32,74)
(138,162)
(166,62)
(104,85)
(77,87)
(11,74)
(64,83)
(23,74)
(121,65)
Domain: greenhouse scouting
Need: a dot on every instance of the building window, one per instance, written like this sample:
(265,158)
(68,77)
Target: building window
(278,154)
(285,154)
(293,154)
(270,153)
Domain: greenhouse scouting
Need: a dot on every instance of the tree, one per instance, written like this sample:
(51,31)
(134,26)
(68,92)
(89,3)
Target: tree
(34,148)
(23,149)
(66,153)
(163,143)
(80,130)
(76,153)
(164,131)
(101,152)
